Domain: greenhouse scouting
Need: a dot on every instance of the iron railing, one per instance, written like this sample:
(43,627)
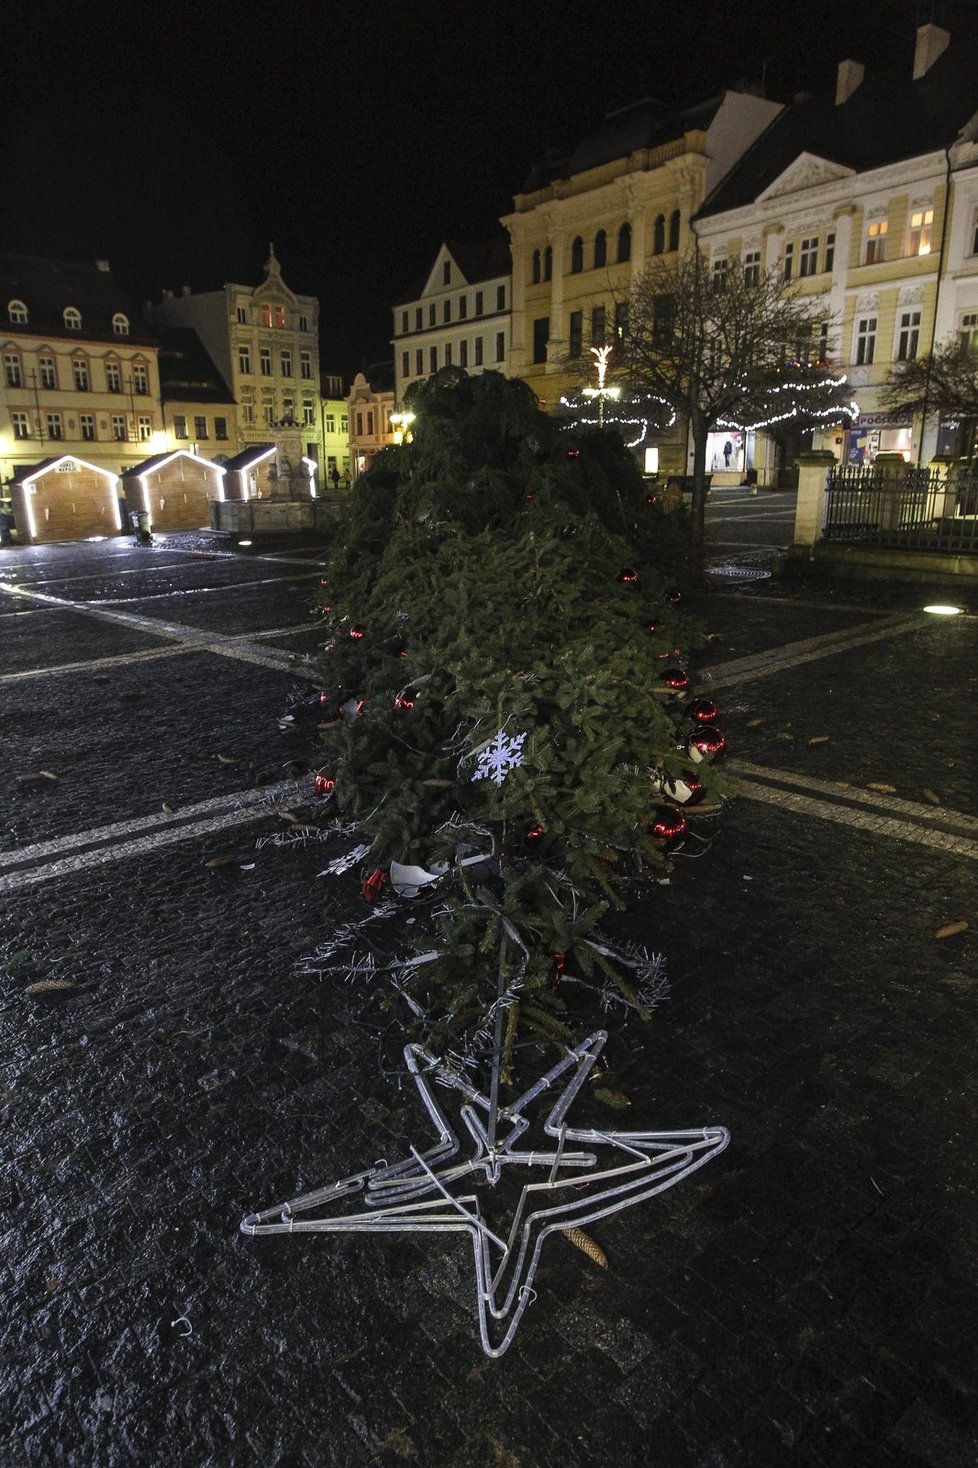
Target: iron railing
(914,509)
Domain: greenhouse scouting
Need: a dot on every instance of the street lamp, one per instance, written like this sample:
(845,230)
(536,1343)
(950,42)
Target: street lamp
(401,424)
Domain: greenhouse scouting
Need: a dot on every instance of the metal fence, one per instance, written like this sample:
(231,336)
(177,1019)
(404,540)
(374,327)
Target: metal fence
(915,509)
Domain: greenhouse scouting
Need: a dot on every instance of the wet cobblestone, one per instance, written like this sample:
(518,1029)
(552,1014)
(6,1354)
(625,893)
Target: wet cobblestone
(809,1300)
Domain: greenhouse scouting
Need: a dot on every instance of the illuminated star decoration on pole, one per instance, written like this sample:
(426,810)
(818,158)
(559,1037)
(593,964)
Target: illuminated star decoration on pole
(426,1192)
(601,392)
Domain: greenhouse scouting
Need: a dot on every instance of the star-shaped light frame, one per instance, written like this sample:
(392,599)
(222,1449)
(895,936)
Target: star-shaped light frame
(420,1194)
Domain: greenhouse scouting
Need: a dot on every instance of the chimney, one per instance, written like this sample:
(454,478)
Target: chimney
(849,77)
(102,265)
(932,41)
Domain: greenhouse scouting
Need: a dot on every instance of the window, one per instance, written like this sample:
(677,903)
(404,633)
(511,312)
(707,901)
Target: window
(535,268)
(87,421)
(501,346)
(446,272)
(12,371)
(659,235)
(598,319)
(752,267)
(330,422)
(575,333)
(448,354)
(248,413)
(577,255)
(600,249)
(432,359)
(909,338)
(674,230)
(446,311)
(418,361)
(478,303)
(548,263)
(478,351)
(344,424)
(865,341)
(49,373)
(621,318)
(968,335)
(789,260)
(418,318)
(808,256)
(265,361)
(179,425)
(662,314)
(303,323)
(625,242)
(463,307)
(921,224)
(79,370)
(308,418)
(72,318)
(140,379)
(432,314)
(370,420)
(120,324)
(720,270)
(21,425)
(875,241)
(17,313)
(144,426)
(404,322)
(829,252)
(500,298)
(241,315)
(305,366)
(200,427)
(54,425)
(823,341)
(269,411)
(463,354)
(286,361)
(266,315)
(119,428)
(405,364)
(244,361)
(974,236)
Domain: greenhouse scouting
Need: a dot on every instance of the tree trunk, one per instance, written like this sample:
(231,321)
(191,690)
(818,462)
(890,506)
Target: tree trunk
(699,432)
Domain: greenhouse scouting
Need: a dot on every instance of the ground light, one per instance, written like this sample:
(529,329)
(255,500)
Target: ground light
(939,610)
(248,542)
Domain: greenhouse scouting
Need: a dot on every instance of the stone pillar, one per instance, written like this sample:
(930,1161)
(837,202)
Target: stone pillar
(814,468)
(891,472)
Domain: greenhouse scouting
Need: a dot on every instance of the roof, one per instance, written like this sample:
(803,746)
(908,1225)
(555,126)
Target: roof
(248,456)
(887,118)
(156,461)
(476,259)
(187,374)
(47,287)
(30,471)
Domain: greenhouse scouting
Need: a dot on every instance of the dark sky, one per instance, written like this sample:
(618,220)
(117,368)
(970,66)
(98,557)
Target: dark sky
(176,142)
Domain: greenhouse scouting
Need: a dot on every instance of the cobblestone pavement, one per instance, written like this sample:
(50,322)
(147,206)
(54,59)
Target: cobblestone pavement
(810,1298)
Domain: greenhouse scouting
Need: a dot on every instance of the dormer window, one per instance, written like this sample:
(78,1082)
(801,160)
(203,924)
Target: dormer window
(17,313)
(120,324)
(72,318)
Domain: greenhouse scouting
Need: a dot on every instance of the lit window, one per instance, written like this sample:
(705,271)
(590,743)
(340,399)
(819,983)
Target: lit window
(865,341)
(12,370)
(120,324)
(49,372)
(909,336)
(72,318)
(87,421)
(266,315)
(79,370)
(808,256)
(921,223)
(280,316)
(17,313)
(21,425)
(876,241)
(179,425)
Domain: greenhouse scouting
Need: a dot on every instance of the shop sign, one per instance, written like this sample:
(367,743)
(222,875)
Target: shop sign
(883,420)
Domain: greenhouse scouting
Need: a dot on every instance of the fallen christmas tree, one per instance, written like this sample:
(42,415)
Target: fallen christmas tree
(509,730)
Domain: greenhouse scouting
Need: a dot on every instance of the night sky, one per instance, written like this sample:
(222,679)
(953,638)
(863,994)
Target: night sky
(177,142)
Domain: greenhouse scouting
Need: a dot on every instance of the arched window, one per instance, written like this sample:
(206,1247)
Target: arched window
(625,242)
(548,262)
(120,324)
(659,234)
(577,255)
(600,249)
(17,313)
(72,318)
(536,267)
(674,230)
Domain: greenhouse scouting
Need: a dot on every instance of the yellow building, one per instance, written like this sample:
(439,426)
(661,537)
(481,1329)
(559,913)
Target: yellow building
(334,435)
(80,370)
(582,230)
(370,405)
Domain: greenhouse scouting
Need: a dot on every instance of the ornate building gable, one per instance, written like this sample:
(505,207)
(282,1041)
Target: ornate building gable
(807,172)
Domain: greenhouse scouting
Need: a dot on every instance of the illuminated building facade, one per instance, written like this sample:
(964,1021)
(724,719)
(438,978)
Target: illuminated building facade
(461,316)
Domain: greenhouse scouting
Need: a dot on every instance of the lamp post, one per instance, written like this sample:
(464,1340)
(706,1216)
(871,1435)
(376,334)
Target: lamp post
(401,424)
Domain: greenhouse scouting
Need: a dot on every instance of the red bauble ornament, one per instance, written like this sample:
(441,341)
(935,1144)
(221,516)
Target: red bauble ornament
(675,680)
(406,698)
(373,886)
(629,576)
(684,789)
(707,743)
(324,784)
(323,697)
(668,824)
(653,627)
(560,962)
(533,834)
(703,711)
(675,596)
(357,632)
(573,453)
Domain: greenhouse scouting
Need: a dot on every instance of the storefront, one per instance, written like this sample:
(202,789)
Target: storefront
(730,451)
(879,433)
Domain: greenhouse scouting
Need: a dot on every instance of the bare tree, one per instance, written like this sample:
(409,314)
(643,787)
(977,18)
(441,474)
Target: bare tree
(944,381)
(724,349)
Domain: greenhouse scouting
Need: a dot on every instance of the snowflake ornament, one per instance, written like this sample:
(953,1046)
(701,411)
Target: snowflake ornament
(498,756)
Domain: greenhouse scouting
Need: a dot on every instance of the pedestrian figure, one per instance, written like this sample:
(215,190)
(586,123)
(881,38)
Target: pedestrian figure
(727,451)
(334,475)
